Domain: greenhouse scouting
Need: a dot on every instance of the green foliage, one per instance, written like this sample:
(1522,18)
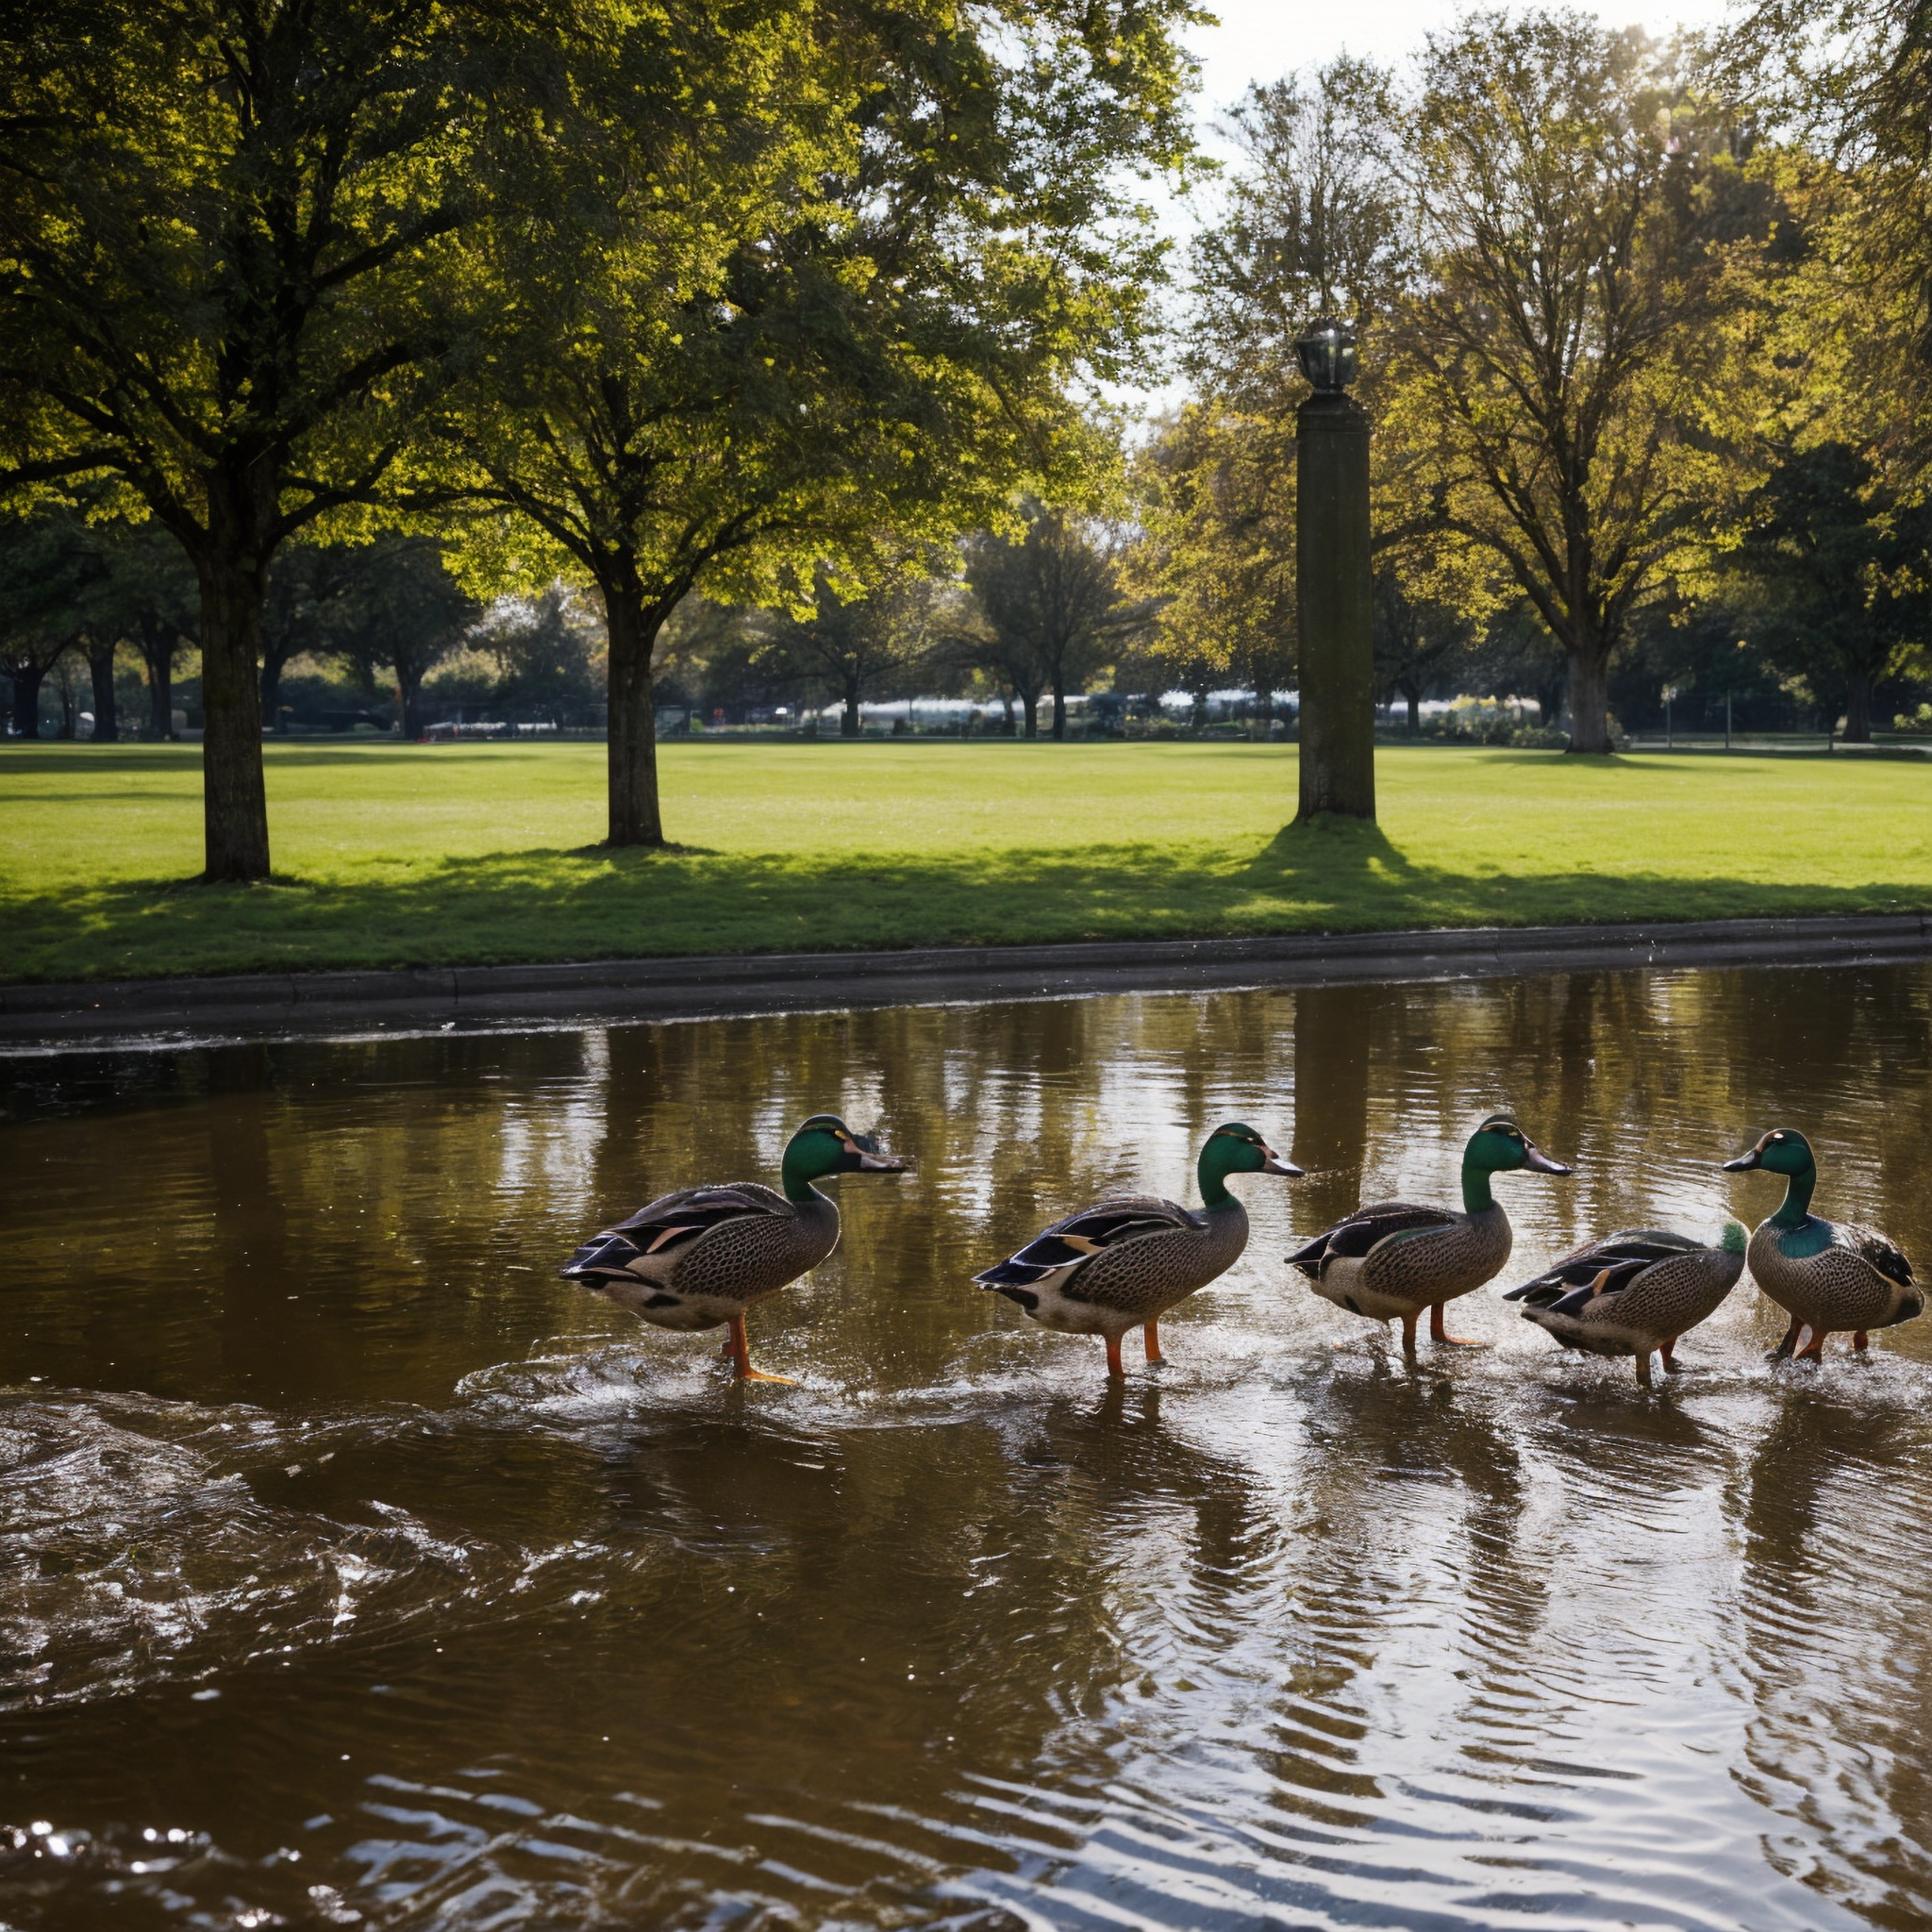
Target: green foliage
(878,644)
(805,287)
(1837,565)
(225,248)
(1050,605)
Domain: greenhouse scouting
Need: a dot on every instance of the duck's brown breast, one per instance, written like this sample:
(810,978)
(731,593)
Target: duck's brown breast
(1832,1288)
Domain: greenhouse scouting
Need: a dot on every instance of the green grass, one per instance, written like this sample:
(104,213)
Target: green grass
(397,855)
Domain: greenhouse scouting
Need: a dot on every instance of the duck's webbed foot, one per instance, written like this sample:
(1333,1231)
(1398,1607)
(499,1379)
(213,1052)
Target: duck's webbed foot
(1151,1335)
(1113,1358)
(739,1351)
(1783,1351)
(1439,1332)
(1813,1351)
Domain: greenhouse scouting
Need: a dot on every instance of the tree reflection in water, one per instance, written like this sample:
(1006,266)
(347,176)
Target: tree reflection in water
(516,1613)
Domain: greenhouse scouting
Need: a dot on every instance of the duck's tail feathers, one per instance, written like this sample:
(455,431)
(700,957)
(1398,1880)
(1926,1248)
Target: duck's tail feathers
(1310,1259)
(607,1257)
(1013,1273)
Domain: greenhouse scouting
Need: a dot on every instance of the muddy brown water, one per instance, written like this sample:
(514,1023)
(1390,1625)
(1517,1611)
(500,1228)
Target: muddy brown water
(355,1569)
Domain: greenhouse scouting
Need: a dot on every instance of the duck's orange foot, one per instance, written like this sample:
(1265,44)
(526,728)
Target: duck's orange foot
(759,1375)
(1439,1333)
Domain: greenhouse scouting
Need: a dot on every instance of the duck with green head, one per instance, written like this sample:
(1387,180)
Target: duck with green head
(1395,1260)
(1125,1261)
(1826,1275)
(699,1257)
(1635,1292)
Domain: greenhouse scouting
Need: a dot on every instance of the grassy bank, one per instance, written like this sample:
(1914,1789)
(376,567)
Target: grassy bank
(397,855)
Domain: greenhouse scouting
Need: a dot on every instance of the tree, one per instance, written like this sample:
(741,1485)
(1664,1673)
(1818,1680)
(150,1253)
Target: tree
(1215,559)
(1416,640)
(861,644)
(301,614)
(399,607)
(1854,78)
(831,282)
(222,231)
(1052,604)
(1839,566)
(148,601)
(50,567)
(1313,225)
(1563,360)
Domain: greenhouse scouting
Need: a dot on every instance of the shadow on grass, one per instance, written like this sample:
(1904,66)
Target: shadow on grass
(594,902)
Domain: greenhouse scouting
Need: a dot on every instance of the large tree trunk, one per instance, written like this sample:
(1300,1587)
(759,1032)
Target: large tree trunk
(100,667)
(1059,714)
(232,567)
(635,818)
(851,723)
(1859,708)
(1029,706)
(1415,713)
(1590,698)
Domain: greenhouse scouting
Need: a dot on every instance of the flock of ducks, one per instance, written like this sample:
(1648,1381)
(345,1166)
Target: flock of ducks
(700,1257)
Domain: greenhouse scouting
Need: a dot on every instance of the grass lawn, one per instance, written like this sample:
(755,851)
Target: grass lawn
(399,855)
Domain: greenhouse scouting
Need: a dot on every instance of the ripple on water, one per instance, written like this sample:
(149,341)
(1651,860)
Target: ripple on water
(400,1585)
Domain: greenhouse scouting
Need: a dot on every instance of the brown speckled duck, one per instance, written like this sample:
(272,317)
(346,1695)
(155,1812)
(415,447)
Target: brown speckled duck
(1634,1292)
(1827,1275)
(1123,1262)
(1395,1260)
(702,1256)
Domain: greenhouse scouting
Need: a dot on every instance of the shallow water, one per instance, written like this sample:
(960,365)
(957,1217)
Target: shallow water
(353,1569)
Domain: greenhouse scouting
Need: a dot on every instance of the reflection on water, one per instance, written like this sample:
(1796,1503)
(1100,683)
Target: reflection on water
(355,1570)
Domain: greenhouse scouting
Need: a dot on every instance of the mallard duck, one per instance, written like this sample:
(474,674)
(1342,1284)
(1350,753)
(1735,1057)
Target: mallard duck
(702,1256)
(1827,1275)
(1123,1262)
(1634,1291)
(1395,1260)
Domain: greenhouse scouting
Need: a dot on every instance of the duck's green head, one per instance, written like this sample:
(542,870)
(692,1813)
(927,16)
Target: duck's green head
(1500,1147)
(1236,1148)
(825,1145)
(1784,1150)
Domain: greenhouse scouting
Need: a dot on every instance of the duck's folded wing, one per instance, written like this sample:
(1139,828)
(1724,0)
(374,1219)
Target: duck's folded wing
(1876,1250)
(641,1248)
(1367,1228)
(1611,1278)
(1066,1245)
(1617,1252)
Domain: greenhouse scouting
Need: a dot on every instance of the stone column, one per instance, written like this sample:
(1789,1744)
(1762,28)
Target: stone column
(1332,604)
